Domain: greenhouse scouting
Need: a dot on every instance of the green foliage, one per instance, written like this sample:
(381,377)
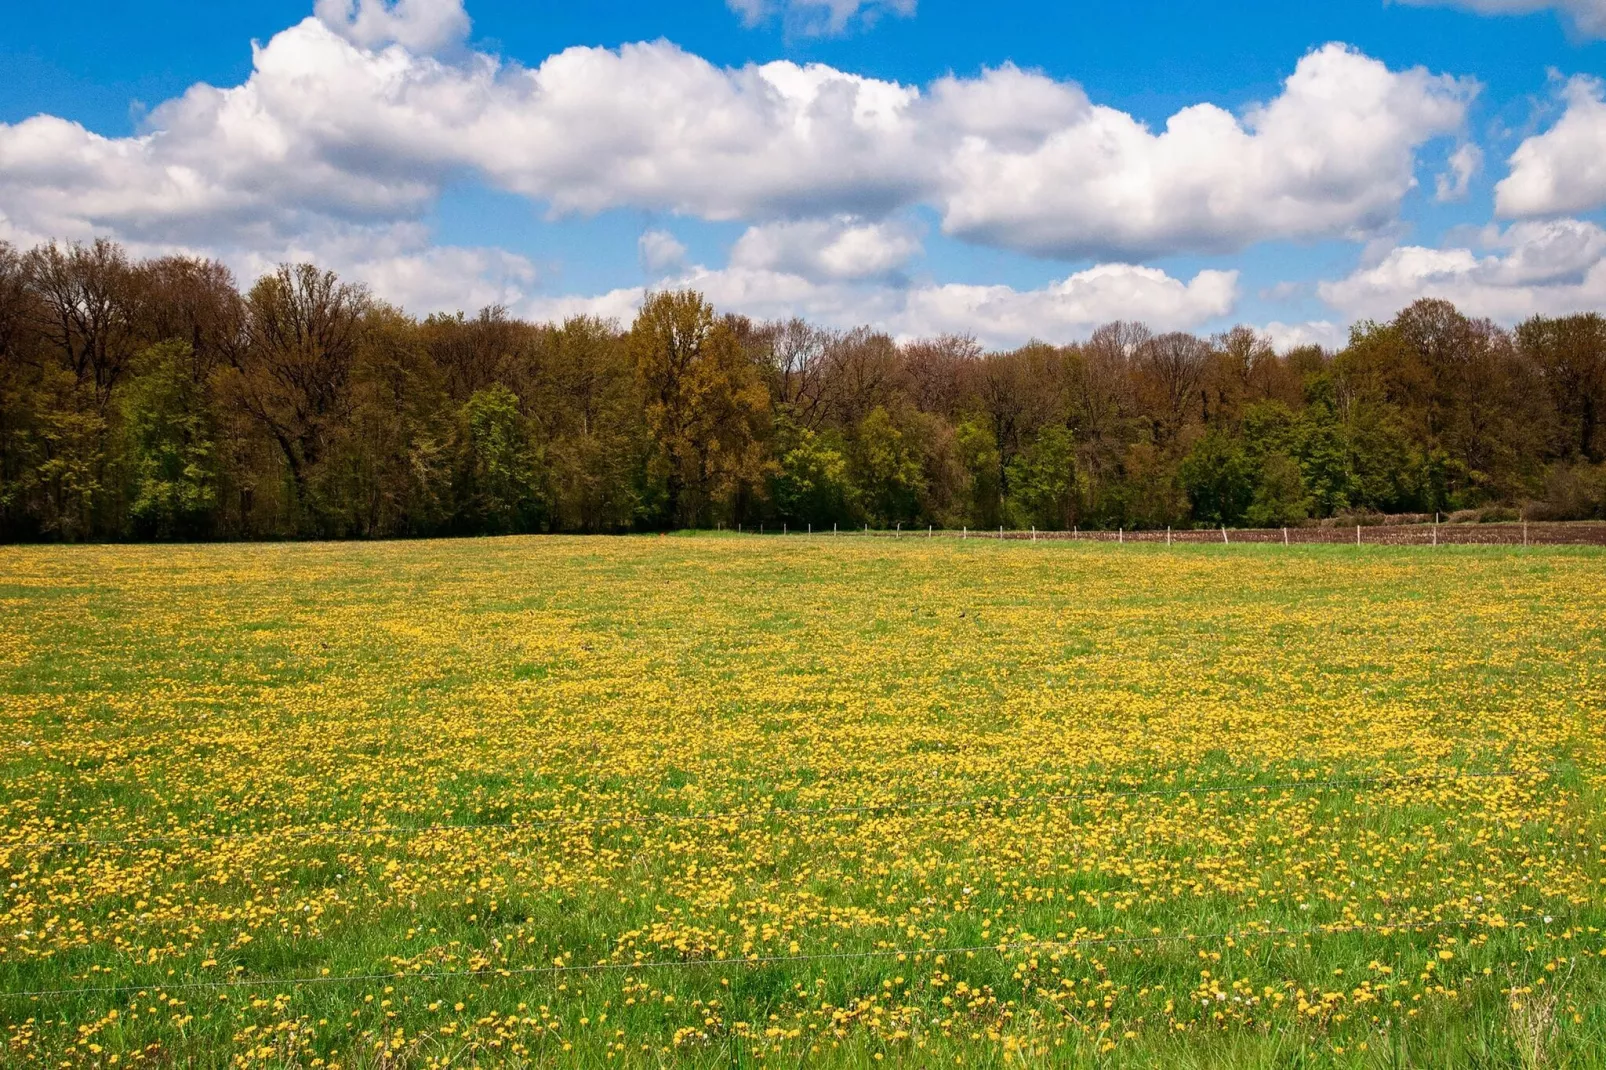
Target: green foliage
(812,484)
(887,471)
(1576,491)
(704,401)
(1280,499)
(302,406)
(596,442)
(70,472)
(168,446)
(501,466)
(978,454)
(1045,488)
(1148,493)
(1219,479)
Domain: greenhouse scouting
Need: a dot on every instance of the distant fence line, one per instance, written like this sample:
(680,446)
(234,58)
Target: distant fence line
(1547,533)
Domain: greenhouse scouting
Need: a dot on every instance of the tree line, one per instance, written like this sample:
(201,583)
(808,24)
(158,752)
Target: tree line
(155,400)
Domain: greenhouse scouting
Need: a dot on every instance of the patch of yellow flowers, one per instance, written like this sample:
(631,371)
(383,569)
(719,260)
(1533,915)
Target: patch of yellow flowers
(536,799)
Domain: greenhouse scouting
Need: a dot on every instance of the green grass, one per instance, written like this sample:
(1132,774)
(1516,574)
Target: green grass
(1127,775)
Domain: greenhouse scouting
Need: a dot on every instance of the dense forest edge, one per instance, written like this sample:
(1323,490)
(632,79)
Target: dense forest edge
(154,400)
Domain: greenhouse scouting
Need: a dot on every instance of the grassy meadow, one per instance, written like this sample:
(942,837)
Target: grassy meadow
(739,801)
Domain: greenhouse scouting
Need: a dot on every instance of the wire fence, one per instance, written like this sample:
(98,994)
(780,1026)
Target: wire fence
(1547,533)
(928,806)
(1057,946)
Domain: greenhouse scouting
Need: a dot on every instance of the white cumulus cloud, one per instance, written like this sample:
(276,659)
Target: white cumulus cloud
(418,25)
(398,261)
(838,248)
(1554,267)
(353,121)
(1286,336)
(1460,168)
(440,278)
(661,251)
(819,17)
(1071,308)
(1564,168)
(1001,316)
(325,128)
(1035,165)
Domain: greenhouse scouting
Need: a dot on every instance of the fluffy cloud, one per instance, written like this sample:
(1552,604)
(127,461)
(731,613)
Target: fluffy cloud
(353,121)
(397,261)
(839,248)
(996,315)
(757,292)
(1586,17)
(327,127)
(653,126)
(1540,268)
(1036,166)
(661,252)
(1071,308)
(1286,336)
(1564,168)
(258,164)
(445,278)
(1463,164)
(818,17)
(419,25)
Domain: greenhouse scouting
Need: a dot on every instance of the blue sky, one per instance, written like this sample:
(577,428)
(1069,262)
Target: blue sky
(429,149)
